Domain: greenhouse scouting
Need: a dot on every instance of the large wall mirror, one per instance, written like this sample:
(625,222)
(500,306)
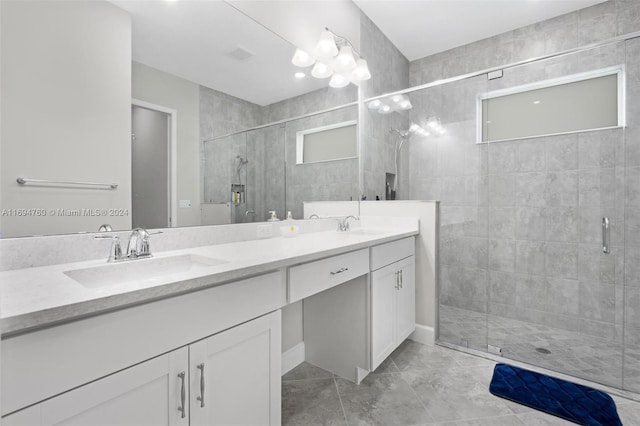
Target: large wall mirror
(192,99)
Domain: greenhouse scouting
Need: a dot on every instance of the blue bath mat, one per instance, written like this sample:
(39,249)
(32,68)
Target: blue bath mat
(573,402)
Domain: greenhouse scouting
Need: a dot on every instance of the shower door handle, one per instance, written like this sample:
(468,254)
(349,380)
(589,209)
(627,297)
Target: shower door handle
(605,235)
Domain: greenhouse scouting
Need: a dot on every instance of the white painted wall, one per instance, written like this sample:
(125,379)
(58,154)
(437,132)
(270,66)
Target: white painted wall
(160,88)
(66,93)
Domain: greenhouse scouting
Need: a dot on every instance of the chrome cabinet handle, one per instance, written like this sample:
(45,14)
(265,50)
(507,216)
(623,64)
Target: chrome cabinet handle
(183,397)
(201,397)
(339,271)
(397,286)
(605,235)
(400,278)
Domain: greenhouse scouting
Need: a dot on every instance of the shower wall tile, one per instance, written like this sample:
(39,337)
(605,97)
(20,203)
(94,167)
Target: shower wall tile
(531,292)
(531,189)
(501,287)
(562,152)
(597,301)
(596,266)
(502,255)
(632,307)
(502,157)
(632,266)
(561,224)
(561,260)
(530,256)
(530,156)
(470,252)
(597,187)
(563,296)
(600,149)
(502,190)
(530,223)
(502,222)
(561,188)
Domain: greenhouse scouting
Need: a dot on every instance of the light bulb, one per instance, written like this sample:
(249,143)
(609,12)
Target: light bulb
(338,80)
(345,61)
(414,128)
(385,109)
(433,122)
(375,104)
(326,47)
(302,59)
(299,75)
(321,70)
(361,71)
(405,104)
(397,98)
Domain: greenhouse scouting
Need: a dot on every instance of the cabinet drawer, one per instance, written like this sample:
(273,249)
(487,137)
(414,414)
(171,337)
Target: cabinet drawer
(314,277)
(388,253)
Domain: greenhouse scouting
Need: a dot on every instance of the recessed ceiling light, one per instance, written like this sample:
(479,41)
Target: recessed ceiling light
(299,75)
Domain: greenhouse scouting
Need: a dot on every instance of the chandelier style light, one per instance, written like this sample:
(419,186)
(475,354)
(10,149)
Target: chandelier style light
(334,57)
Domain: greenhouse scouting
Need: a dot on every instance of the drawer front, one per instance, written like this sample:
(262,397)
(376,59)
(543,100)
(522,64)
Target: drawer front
(385,254)
(314,277)
(44,363)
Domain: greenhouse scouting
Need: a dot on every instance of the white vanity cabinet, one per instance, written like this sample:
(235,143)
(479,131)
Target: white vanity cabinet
(148,394)
(230,378)
(392,297)
(95,370)
(235,375)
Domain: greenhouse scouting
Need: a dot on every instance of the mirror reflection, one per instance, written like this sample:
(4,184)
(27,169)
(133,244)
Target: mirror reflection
(213,79)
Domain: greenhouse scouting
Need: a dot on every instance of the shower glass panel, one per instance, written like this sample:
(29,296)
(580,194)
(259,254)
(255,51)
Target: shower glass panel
(631,269)
(244,176)
(555,298)
(444,162)
(264,173)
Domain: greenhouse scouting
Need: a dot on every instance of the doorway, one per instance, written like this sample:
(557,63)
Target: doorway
(150,167)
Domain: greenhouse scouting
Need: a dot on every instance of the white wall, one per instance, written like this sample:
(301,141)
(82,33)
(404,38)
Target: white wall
(66,90)
(167,90)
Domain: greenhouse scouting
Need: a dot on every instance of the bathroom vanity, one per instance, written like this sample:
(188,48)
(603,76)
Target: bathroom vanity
(193,336)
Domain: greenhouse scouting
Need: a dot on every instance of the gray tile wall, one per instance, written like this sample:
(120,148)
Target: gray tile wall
(390,72)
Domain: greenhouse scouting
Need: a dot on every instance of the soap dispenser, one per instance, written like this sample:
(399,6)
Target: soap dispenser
(273,217)
(289,229)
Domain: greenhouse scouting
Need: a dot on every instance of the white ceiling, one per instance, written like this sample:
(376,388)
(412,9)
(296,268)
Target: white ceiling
(420,28)
(193,38)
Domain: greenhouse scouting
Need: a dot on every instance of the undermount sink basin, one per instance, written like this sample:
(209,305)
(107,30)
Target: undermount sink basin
(141,270)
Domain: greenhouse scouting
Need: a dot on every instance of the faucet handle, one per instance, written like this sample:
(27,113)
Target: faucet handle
(115,252)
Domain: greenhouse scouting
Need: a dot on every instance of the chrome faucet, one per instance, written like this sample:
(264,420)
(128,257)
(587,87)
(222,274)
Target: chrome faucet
(138,244)
(343,224)
(137,248)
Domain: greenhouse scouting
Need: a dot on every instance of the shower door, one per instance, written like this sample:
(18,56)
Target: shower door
(556,225)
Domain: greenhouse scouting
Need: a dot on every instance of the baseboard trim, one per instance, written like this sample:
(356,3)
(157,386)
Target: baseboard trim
(423,334)
(292,358)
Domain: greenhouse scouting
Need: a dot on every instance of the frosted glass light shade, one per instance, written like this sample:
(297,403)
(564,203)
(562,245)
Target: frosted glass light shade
(345,61)
(302,59)
(321,70)
(385,109)
(326,47)
(361,71)
(339,80)
(375,104)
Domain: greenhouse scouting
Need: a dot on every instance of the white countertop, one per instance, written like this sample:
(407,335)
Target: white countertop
(43,296)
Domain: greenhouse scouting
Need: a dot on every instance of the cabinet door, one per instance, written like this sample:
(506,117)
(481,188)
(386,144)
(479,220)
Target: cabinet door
(406,299)
(146,394)
(235,375)
(383,313)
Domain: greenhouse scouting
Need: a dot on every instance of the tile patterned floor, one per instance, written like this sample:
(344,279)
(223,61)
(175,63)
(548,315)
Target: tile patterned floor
(417,385)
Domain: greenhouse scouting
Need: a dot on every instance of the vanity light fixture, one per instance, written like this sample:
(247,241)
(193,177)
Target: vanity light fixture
(334,56)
